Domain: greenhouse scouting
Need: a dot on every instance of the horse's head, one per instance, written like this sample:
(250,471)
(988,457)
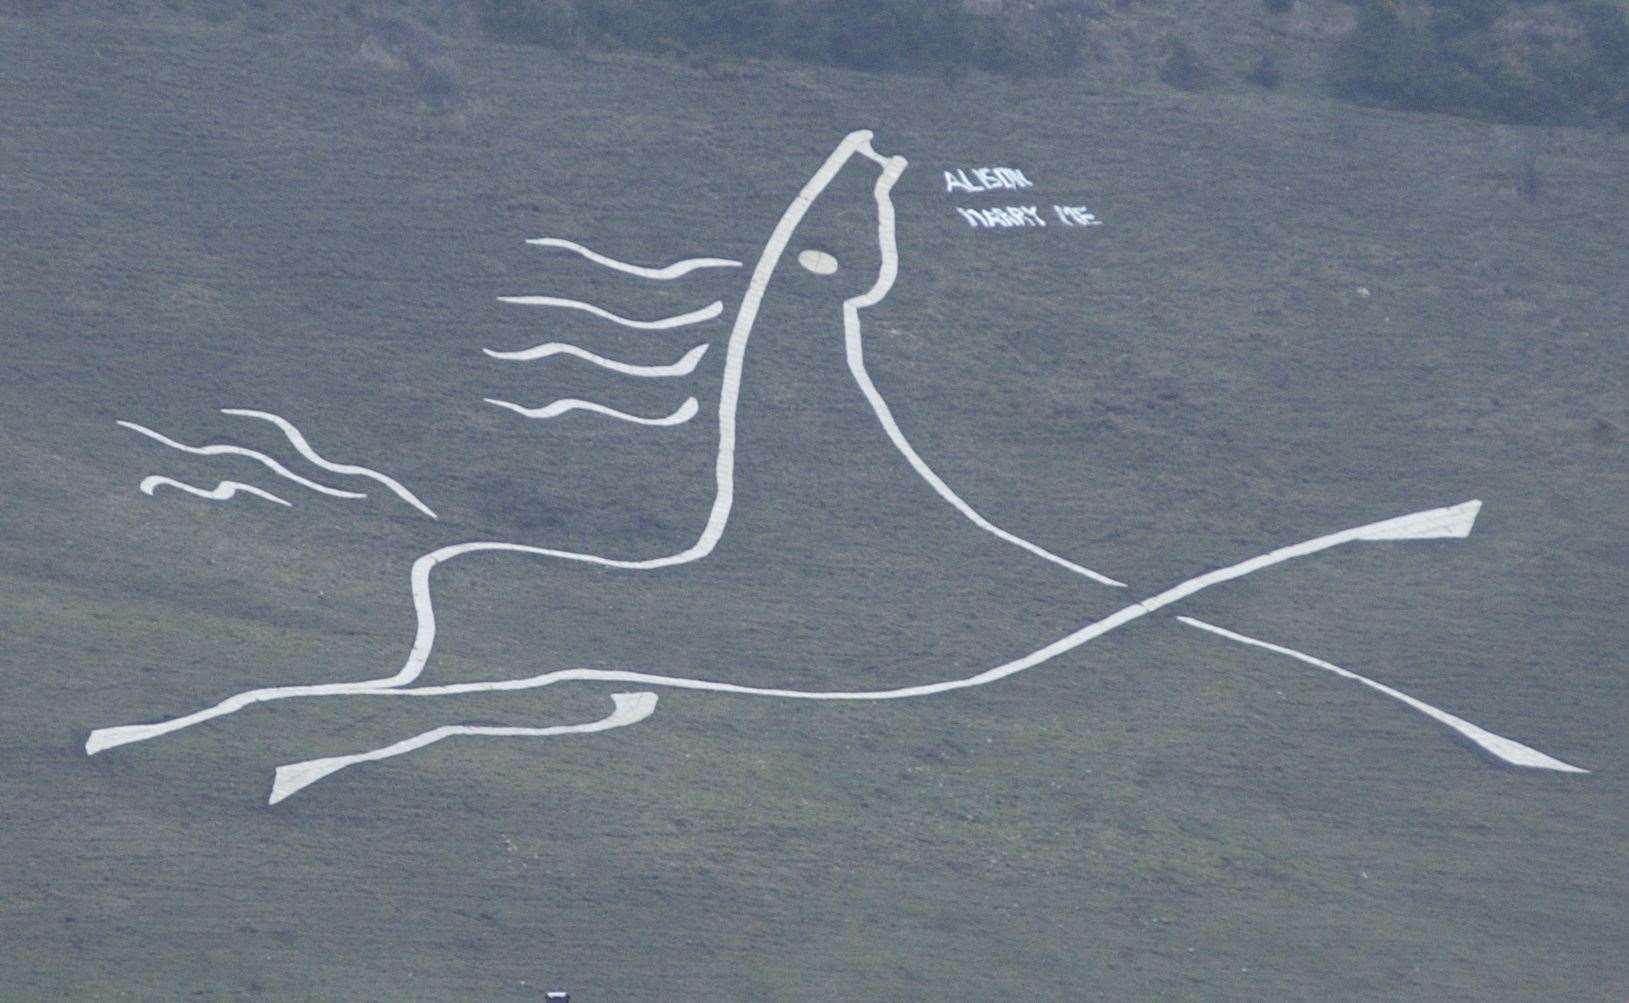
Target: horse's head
(865,253)
(847,246)
(848,243)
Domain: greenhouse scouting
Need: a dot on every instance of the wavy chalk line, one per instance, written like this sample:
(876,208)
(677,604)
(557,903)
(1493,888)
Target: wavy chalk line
(221,491)
(684,367)
(686,411)
(1508,750)
(630,708)
(1445,522)
(299,442)
(672,271)
(708,312)
(220,450)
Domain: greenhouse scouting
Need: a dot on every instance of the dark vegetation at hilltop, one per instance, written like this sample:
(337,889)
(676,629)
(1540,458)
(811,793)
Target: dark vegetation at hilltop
(1524,61)
(879,35)
(1508,60)
(1531,62)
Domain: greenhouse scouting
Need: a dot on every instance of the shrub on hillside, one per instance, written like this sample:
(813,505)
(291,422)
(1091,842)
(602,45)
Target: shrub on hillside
(1525,61)
(1183,67)
(1265,72)
(401,45)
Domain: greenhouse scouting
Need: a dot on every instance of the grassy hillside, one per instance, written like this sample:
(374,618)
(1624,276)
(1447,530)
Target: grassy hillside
(1298,316)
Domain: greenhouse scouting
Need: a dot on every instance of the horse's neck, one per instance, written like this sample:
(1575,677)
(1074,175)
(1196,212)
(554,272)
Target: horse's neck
(808,448)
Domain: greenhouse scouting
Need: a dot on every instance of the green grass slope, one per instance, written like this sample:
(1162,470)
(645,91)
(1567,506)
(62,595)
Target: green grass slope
(1297,317)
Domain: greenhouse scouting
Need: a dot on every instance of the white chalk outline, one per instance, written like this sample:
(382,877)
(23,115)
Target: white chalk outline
(858,142)
(298,441)
(717,517)
(1448,522)
(1504,749)
(673,271)
(706,313)
(631,708)
(684,367)
(854,349)
(224,450)
(220,492)
(686,411)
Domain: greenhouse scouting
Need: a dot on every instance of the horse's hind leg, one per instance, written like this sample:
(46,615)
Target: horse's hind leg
(107,738)
(423,643)
(631,708)
(1505,750)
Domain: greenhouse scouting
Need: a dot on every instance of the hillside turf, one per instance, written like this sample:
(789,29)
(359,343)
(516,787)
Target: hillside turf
(1295,318)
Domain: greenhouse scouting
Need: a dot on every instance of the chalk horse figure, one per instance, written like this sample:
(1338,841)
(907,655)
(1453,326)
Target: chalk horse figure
(1454,521)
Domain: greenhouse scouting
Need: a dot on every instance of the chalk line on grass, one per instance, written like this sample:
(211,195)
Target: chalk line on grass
(630,708)
(224,450)
(684,367)
(298,441)
(686,411)
(712,531)
(718,517)
(1504,749)
(1448,522)
(220,492)
(858,142)
(706,313)
(673,271)
(854,347)
(396,685)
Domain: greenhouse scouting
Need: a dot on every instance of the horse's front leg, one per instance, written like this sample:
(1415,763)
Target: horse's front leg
(631,708)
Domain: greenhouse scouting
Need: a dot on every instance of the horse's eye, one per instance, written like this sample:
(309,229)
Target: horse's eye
(818,262)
